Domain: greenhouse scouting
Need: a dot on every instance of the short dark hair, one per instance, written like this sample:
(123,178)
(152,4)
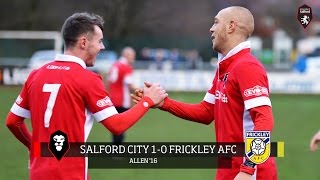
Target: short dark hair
(78,24)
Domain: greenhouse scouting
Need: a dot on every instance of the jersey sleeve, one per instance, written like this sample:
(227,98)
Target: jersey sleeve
(253,84)
(97,99)
(21,105)
(210,95)
(202,112)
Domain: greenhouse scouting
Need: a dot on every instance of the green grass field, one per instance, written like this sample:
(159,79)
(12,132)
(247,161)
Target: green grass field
(297,118)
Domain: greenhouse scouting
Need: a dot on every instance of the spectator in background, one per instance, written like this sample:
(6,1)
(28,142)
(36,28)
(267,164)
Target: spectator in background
(308,47)
(175,58)
(119,83)
(158,59)
(146,54)
(193,60)
(301,63)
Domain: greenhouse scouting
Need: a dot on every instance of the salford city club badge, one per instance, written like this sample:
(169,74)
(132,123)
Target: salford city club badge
(59,144)
(304,15)
(257,146)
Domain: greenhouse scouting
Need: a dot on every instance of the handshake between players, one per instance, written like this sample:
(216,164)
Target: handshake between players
(154,91)
(140,93)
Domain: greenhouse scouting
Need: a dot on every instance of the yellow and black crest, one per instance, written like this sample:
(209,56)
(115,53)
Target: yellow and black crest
(257,146)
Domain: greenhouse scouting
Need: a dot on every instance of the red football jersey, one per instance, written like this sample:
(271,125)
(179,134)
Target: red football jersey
(240,84)
(119,78)
(237,101)
(62,95)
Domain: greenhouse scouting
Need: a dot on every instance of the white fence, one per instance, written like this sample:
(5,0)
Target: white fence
(197,80)
(201,81)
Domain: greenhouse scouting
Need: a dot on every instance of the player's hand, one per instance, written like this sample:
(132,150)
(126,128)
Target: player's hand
(243,176)
(138,95)
(314,141)
(159,105)
(155,92)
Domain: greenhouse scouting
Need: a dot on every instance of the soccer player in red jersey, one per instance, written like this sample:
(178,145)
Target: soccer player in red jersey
(239,97)
(63,95)
(119,84)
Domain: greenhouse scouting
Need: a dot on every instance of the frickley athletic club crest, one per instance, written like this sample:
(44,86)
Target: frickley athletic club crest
(58,144)
(304,15)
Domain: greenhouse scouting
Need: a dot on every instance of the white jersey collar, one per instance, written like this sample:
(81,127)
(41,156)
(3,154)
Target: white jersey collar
(70,58)
(235,50)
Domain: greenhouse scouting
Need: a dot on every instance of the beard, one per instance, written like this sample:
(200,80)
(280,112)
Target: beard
(90,61)
(90,65)
(219,42)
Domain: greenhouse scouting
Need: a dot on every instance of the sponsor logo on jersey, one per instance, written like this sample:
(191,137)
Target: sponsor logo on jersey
(104,102)
(58,67)
(221,96)
(256,91)
(225,78)
(257,146)
(19,99)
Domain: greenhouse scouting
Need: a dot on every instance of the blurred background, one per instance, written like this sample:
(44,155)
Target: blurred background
(173,45)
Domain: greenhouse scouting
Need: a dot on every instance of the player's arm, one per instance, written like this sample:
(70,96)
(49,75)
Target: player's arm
(18,113)
(103,110)
(119,123)
(255,93)
(202,112)
(19,129)
(262,118)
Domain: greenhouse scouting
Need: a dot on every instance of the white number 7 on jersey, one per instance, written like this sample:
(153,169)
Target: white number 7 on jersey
(53,89)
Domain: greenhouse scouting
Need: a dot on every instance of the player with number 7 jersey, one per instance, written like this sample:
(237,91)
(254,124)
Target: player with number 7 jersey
(63,96)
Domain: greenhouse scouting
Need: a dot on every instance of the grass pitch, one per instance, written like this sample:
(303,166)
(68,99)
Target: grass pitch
(297,118)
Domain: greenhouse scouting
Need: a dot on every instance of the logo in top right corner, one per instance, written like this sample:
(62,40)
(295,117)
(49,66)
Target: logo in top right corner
(304,15)
(257,146)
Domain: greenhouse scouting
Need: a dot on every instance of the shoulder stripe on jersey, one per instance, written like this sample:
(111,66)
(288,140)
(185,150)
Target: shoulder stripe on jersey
(19,111)
(210,98)
(105,113)
(258,101)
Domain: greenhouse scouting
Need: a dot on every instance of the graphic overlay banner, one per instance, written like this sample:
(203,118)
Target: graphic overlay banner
(156,155)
